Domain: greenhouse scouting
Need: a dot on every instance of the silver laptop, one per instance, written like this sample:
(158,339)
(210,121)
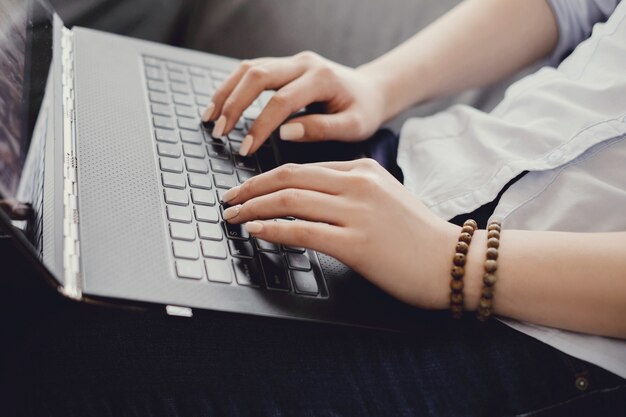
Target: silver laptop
(101,136)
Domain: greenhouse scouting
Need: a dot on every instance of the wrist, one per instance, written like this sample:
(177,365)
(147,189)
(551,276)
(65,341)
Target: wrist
(397,90)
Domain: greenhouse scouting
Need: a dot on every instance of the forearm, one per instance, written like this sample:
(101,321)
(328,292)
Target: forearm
(574,281)
(475,44)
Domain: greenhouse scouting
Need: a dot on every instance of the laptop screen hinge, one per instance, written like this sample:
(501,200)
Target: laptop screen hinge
(71,241)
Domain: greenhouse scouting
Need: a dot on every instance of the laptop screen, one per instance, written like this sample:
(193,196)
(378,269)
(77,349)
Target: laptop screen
(25,59)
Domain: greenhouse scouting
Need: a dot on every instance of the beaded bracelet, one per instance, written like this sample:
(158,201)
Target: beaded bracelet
(458,268)
(485,304)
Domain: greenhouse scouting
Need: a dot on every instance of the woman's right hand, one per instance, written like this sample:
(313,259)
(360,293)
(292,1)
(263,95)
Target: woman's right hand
(353,100)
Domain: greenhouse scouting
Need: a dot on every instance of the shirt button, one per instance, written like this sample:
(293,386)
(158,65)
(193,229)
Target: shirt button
(554,156)
(582,383)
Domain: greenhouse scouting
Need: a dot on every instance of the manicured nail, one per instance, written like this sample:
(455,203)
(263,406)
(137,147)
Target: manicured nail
(230,194)
(254,227)
(208,112)
(218,130)
(245,145)
(232,212)
(292,131)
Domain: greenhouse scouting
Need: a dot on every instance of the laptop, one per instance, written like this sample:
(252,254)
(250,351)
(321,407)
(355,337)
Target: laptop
(100,135)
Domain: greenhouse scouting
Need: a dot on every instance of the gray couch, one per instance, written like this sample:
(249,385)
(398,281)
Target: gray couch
(347,31)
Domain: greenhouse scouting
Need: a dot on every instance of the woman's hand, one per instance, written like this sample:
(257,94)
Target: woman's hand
(358,213)
(353,100)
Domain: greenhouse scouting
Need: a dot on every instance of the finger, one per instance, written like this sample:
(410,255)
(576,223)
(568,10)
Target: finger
(289,99)
(321,237)
(305,177)
(345,125)
(269,76)
(302,204)
(219,96)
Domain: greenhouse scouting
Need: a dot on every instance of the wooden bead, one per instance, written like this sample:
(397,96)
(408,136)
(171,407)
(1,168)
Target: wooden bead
(483,315)
(465,237)
(493,243)
(457,311)
(457,272)
(472,223)
(456,286)
(489,279)
(491,266)
(456,298)
(487,293)
(493,233)
(492,253)
(462,247)
(468,229)
(485,303)
(494,226)
(459,259)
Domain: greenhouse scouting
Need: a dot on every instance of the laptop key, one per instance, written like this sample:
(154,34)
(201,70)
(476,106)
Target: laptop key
(159,86)
(178,197)
(210,231)
(293,249)
(218,151)
(182,231)
(244,175)
(178,77)
(236,135)
(189,269)
(202,100)
(180,88)
(182,99)
(298,261)
(172,180)
(157,97)
(168,149)
(171,165)
(163,122)
(196,165)
(219,270)
(150,61)
(224,181)
(248,272)
(203,197)
(167,136)
(304,282)
(189,136)
(265,246)
(200,181)
(178,214)
(245,162)
(241,248)
(235,231)
(194,151)
(185,111)
(185,250)
(213,249)
(274,270)
(161,109)
(224,166)
(206,214)
(189,124)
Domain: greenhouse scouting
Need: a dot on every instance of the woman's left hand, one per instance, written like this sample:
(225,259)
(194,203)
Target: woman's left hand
(358,213)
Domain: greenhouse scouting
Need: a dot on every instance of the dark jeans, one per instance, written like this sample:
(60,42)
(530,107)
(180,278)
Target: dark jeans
(66,359)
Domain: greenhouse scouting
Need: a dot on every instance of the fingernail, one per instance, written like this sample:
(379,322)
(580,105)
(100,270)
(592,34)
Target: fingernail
(245,145)
(218,130)
(292,131)
(232,212)
(254,227)
(208,112)
(230,194)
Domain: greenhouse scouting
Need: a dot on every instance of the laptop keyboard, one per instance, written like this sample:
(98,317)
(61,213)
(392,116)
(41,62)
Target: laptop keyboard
(196,169)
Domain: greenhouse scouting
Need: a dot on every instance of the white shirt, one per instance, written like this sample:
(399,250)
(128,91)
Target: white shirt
(567,127)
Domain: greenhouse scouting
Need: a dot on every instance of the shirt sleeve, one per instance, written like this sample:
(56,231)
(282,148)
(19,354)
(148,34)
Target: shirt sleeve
(575,19)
